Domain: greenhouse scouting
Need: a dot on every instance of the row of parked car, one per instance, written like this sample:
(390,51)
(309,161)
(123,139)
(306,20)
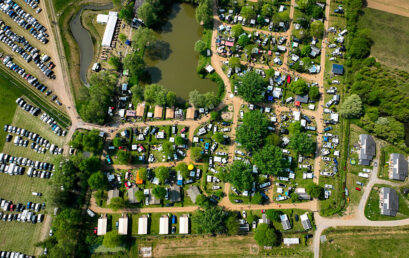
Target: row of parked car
(53,124)
(29,216)
(27,107)
(33,4)
(31,172)
(11,39)
(8,159)
(24,20)
(11,254)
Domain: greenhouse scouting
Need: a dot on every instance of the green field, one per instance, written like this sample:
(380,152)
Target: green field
(390,33)
(366,242)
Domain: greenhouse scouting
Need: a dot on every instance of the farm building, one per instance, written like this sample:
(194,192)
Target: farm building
(102,225)
(190,113)
(123,225)
(388,201)
(170,113)
(184,224)
(164,225)
(143,225)
(112,194)
(305,221)
(158,112)
(367,149)
(131,195)
(398,167)
(285,222)
(193,192)
(109,29)
(140,109)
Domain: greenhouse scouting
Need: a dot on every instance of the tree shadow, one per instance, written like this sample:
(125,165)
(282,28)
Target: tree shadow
(160,51)
(155,74)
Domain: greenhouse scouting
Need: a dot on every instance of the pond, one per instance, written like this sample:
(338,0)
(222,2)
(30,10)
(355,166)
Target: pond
(174,61)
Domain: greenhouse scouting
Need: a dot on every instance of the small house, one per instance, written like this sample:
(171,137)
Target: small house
(170,113)
(302,99)
(305,221)
(130,113)
(164,225)
(209,69)
(388,201)
(131,195)
(190,113)
(112,194)
(291,241)
(123,225)
(193,192)
(158,112)
(285,222)
(398,167)
(143,225)
(140,110)
(337,69)
(174,193)
(367,149)
(184,224)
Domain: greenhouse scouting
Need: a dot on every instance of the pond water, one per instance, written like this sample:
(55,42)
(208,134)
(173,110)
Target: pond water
(172,63)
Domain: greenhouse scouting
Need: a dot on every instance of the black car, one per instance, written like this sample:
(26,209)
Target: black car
(173,230)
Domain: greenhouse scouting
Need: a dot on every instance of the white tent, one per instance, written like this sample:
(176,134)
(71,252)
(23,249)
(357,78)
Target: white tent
(110,29)
(123,226)
(164,225)
(102,226)
(184,224)
(143,225)
(102,18)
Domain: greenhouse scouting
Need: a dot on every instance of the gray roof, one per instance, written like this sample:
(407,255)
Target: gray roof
(112,194)
(174,193)
(302,99)
(285,222)
(388,201)
(367,150)
(398,167)
(193,193)
(131,194)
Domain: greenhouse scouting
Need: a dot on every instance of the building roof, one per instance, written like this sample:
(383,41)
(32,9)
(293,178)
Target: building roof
(140,109)
(285,222)
(174,193)
(367,150)
(302,99)
(158,112)
(337,69)
(131,194)
(398,167)
(102,18)
(164,225)
(190,113)
(291,241)
(130,113)
(305,221)
(184,224)
(170,113)
(112,194)
(110,29)
(143,225)
(388,201)
(123,225)
(193,192)
(102,226)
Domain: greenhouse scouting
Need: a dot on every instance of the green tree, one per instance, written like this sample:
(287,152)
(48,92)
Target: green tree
(136,66)
(314,93)
(240,175)
(317,29)
(204,13)
(214,115)
(183,169)
(203,201)
(170,99)
(159,192)
(243,40)
(218,137)
(140,196)
(143,38)
(273,139)
(252,132)
(137,94)
(98,181)
(232,224)
(257,199)
(162,173)
(236,30)
(209,221)
(179,140)
(305,50)
(299,87)
(252,87)
(126,13)
(270,160)
(294,197)
(200,46)
(390,129)
(315,191)
(266,236)
(303,143)
(196,153)
(248,12)
(117,142)
(303,4)
(147,13)
(112,239)
(115,62)
(351,107)
(295,128)
(274,215)
(143,174)
(123,156)
(122,37)
(116,203)
(156,94)
(234,62)
(267,10)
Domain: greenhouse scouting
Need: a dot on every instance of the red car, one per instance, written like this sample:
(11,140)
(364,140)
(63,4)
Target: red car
(95,230)
(263,211)
(357,188)
(183,129)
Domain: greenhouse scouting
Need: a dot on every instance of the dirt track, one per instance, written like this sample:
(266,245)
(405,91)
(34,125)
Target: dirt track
(399,7)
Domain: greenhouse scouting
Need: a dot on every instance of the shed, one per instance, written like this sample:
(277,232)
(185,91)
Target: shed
(143,225)
(164,225)
(209,69)
(367,149)
(291,241)
(305,221)
(130,113)
(140,109)
(102,18)
(398,167)
(123,225)
(131,195)
(190,113)
(112,194)
(193,192)
(102,225)
(388,201)
(184,224)
(170,113)
(285,222)
(174,193)
(337,69)
(302,99)
(158,112)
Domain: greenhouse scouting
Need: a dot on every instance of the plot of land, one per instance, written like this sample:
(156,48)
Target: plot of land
(400,7)
(390,34)
(366,242)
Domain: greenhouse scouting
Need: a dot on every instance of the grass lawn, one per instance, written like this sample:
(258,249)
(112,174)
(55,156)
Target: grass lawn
(366,242)
(390,34)
(372,210)
(8,107)
(19,236)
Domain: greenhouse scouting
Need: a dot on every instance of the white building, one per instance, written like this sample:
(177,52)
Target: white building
(164,225)
(143,225)
(184,224)
(109,29)
(123,225)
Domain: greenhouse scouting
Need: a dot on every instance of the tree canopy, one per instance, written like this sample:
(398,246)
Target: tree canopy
(112,239)
(209,221)
(204,12)
(252,132)
(266,236)
(143,37)
(303,143)
(269,160)
(162,173)
(200,46)
(98,181)
(299,87)
(317,28)
(252,87)
(159,192)
(351,107)
(240,175)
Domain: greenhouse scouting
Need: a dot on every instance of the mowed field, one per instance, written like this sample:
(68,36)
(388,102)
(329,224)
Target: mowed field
(390,33)
(366,242)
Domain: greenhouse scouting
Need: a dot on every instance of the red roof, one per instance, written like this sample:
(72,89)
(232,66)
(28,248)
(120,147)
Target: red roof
(229,43)
(297,103)
(269,52)
(288,79)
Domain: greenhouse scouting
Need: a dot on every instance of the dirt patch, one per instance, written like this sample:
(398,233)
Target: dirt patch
(399,7)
